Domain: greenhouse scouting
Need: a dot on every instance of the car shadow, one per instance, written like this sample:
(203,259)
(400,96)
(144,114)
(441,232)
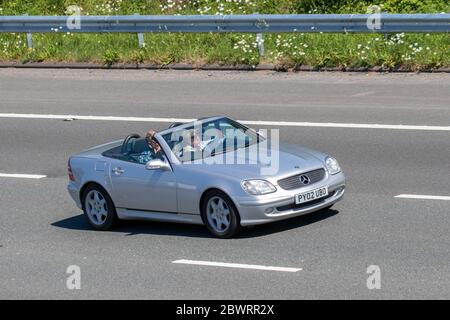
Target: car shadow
(131,228)
(288,224)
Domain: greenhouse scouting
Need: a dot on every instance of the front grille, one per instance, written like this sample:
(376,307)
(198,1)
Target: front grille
(294,182)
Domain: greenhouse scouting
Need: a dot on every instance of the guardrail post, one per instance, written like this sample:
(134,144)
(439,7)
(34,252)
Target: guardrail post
(29,38)
(260,42)
(140,36)
(141,40)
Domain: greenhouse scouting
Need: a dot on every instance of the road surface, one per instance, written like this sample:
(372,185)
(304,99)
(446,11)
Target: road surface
(400,146)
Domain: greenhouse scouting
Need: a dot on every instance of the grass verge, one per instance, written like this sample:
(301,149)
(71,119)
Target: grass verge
(409,52)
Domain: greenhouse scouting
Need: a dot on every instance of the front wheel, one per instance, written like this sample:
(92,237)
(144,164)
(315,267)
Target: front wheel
(99,208)
(220,215)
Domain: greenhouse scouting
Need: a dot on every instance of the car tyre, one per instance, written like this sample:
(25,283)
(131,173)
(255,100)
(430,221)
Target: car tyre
(220,215)
(98,208)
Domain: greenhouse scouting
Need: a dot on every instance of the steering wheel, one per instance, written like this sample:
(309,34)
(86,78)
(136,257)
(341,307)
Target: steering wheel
(127,140)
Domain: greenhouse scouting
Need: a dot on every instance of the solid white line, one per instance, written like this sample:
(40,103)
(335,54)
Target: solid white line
(248,122)
(95,118)
(422,197)
(236,265)
(22,176)
(347,125)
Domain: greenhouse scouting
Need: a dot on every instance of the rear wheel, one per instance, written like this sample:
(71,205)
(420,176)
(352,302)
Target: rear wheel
(220,215)
(98,208)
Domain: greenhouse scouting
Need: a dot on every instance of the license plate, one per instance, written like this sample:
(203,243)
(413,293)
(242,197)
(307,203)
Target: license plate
(311,195)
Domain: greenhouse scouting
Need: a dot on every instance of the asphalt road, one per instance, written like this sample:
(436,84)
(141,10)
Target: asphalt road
(42,232)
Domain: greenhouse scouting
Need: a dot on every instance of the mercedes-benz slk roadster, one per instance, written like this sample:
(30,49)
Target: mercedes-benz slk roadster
(214,171)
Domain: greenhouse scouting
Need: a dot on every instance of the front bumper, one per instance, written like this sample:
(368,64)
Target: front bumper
(74,193)
(281,204)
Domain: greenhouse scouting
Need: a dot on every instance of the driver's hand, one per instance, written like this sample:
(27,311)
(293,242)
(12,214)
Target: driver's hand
(150,137)
(150,134)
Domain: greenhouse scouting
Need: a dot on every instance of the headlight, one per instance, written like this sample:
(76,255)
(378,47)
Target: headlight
(258,187)
(332,165)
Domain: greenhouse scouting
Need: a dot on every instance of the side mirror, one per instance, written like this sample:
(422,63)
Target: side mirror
(157,164)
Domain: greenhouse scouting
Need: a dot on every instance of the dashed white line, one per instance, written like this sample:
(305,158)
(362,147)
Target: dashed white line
(236,265)
(22,176)
(422,197)
(248,122)
(363,94)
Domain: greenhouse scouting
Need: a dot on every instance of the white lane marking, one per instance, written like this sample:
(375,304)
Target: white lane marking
(96,118)
(236,265)
(248,122)
(422,197)
(22,176)
(363,94)
(347,125)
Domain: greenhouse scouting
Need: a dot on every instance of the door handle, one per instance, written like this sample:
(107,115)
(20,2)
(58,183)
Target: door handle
(118,171)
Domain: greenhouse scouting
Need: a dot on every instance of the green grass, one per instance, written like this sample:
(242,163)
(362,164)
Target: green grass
(405,51)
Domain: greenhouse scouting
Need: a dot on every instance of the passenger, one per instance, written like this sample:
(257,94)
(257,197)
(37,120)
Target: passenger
(194,147)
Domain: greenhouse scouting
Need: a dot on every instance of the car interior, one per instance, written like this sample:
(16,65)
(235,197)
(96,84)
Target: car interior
(131,150)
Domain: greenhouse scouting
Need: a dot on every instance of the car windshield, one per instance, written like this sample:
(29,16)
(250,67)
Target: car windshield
(209,138)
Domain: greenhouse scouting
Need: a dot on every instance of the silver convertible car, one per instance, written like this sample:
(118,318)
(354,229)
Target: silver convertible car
(214,171)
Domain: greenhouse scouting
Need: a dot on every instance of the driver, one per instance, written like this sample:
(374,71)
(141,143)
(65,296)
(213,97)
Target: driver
(154,151)
(152,142)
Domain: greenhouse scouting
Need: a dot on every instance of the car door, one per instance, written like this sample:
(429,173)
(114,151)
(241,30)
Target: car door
(135,187)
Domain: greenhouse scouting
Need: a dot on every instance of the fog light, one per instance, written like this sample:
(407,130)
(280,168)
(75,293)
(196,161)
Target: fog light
(269,210)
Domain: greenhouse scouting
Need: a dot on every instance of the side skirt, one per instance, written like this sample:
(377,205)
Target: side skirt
(129,214)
